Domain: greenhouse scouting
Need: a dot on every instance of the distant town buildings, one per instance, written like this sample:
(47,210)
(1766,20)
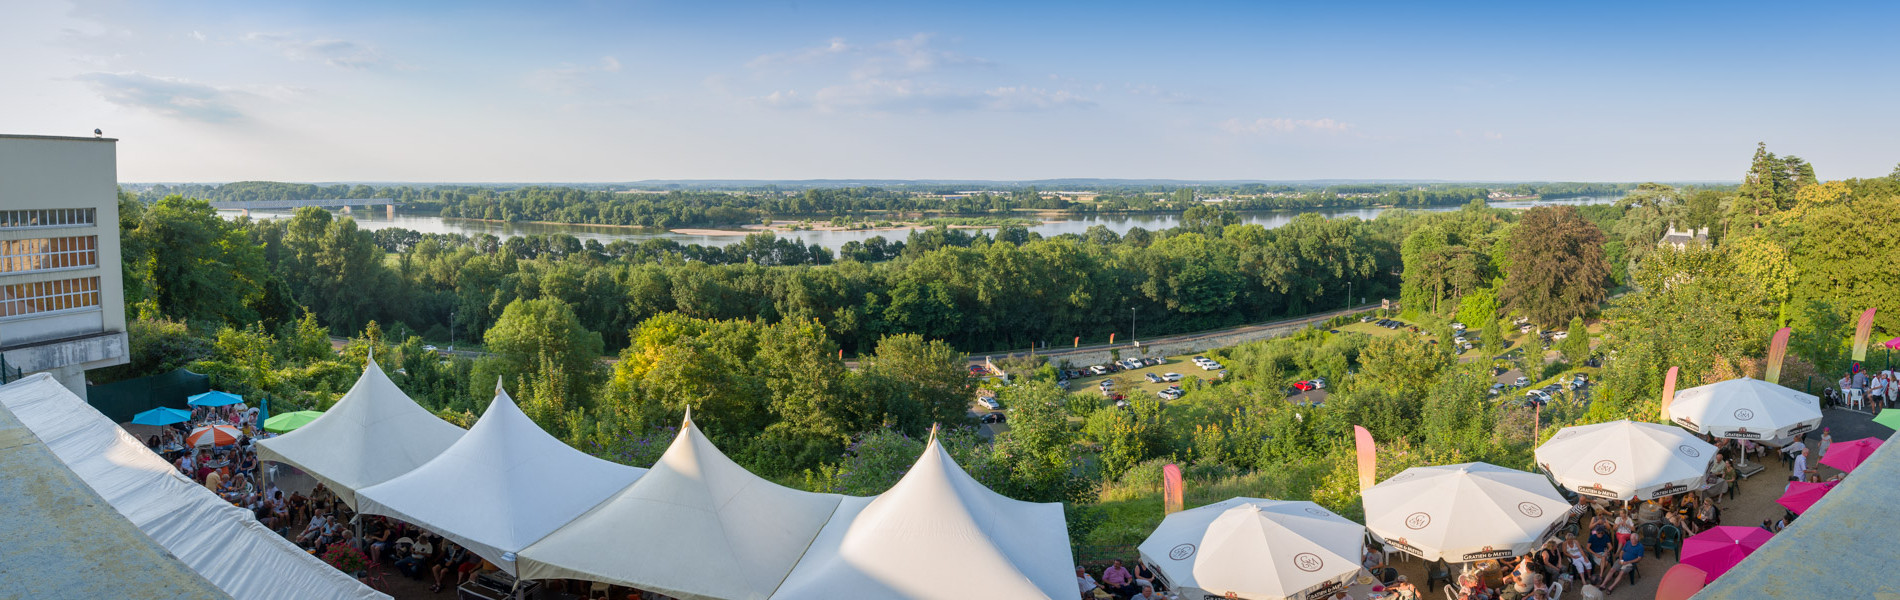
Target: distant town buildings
(62,300)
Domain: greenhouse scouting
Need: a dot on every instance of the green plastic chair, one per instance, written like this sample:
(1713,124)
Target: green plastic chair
(1670,539)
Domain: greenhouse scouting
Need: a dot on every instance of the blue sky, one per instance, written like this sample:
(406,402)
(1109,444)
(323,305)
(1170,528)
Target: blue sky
(621,91)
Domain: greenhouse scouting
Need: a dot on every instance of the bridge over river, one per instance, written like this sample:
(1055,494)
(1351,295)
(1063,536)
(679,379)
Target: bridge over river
(344,203)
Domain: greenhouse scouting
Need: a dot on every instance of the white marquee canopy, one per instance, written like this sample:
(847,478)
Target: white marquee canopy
(503,486)
(697,525)
(937,520)
(372,435)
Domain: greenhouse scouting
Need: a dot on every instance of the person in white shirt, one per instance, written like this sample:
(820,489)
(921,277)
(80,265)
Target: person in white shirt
(1147,593)
(1085,581)
(1800,470)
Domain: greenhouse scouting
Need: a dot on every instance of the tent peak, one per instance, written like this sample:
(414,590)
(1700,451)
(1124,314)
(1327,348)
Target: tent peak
(689,418)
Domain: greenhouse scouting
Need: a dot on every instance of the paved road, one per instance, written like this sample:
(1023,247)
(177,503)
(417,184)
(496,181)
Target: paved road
(1056,354)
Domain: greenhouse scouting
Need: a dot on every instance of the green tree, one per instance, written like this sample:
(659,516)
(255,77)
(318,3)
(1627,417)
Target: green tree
(1576,346)
(1557,270)
(1456,413)
(531,333)
(918,382)
(200,268)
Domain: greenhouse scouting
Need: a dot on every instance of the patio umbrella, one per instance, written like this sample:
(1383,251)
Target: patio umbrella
(1464,512)
(212,435)
(291,421)
(1802,495)
(162,416)
(1621,460)
(1893,344)
(1848,455)
(1746,409)
(1718,549)
(216,398)
(1255,548)
(1889,417)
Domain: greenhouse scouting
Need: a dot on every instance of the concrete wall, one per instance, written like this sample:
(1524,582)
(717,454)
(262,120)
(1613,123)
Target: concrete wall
(39,172)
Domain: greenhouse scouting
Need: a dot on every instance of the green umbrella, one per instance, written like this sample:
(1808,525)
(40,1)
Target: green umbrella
(289,421)
(1889,417)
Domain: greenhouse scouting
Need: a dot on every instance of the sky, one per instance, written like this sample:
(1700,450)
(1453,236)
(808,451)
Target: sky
(613,91)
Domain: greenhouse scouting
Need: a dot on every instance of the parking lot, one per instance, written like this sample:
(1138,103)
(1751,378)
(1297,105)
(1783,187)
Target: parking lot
(1135,382)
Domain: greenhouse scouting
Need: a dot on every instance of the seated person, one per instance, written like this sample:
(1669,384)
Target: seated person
(1632,552)
(1086,582)
(1117,580)
(1145,576)
(1147,593)
(313,532)
(413,566)
(1402,589)
(377,536)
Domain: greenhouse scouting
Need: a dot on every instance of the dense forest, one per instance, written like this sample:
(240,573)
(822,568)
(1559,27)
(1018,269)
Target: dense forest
(751,340)
(610,205)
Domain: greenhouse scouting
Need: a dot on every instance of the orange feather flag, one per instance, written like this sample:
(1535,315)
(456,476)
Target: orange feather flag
(1170,489)
(1862,333)
(1368,457)
(1669,392)
(1777,353)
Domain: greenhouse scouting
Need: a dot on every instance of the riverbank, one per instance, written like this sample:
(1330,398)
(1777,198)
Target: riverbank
(894,226)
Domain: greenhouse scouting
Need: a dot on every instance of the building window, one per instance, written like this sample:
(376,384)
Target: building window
(25,299)
(50,217)
(20,256)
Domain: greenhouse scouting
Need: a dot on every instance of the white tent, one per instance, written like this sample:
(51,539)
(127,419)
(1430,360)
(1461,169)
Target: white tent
(937,533)
(1746,409)
(372,435)
(1625,459)
(500,488)
(696,526)
(223,543)
(1256,549)
(1464,512)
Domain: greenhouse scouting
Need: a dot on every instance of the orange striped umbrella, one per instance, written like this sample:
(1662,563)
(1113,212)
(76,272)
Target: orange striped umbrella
(212,435)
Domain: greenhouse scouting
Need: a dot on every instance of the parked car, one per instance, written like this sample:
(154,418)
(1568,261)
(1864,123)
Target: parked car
(1098,370)
(1107,384)
(1458,326)
(1171,394)
(1319,382)
(990,402)
(1304,386)
(1536,397)
(1170,376)
(1523,381)
(1497,388)
(1064,384)
(1332,331)
(995,417)
(1560,336)
(1211,366)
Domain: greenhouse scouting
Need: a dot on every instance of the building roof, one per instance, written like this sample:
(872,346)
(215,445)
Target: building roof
(1842,547)
(69,138)
(66,541)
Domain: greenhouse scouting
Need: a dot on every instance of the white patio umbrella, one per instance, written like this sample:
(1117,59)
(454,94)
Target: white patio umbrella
(1464,512)
(1746,409)
(1257,549)
(1625,459)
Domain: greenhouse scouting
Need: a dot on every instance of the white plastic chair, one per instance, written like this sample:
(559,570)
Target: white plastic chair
(1556,589)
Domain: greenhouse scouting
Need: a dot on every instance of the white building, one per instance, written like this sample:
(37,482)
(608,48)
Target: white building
(62,301)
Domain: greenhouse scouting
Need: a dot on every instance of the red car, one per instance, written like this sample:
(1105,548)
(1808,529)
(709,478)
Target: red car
(1304,386)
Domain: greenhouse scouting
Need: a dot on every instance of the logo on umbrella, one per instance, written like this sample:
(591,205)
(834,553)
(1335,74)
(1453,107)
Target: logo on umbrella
(1181,552)
(1530,509)
(1307,561)
(1690,450)
(1605,467)
(1800,429)
(1743,414)
(1418,520)
(1686,422)
(1317,512)
(1742,434)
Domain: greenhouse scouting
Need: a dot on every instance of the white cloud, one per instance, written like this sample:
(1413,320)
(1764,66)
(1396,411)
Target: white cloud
(344,54)
(178,98)
(572,79)
(910,96)
(834,47)
(1269,126)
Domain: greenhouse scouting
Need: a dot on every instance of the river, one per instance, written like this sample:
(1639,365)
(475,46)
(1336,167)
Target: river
(1119,223)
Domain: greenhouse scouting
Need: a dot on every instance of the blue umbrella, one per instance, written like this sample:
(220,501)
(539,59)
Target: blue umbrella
(162,416)
(216,398)
(263,411)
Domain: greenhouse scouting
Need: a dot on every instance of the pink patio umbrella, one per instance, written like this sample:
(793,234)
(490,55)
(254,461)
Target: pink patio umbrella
(1848,455)
(1802,495)
(1719,549)
(1893,344)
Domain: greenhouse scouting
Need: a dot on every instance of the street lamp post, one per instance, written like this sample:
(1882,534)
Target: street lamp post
(1348,295)
(1131,323)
